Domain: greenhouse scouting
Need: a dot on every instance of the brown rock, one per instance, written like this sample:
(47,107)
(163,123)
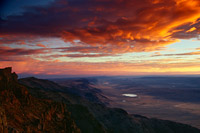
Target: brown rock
(3,122)
(25,113)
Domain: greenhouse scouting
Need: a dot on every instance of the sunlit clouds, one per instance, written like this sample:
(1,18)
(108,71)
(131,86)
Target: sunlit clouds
(113,37)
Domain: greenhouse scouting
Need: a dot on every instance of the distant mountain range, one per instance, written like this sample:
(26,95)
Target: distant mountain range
(38,105)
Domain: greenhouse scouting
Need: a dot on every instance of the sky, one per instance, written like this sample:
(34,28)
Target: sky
(100,37)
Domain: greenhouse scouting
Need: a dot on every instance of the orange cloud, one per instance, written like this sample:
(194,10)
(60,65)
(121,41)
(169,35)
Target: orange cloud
(197,48)
(41,45)
(150,28)
(119,26)
(191,29)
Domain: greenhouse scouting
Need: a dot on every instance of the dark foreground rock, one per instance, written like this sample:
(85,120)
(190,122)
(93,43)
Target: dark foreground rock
(20,112)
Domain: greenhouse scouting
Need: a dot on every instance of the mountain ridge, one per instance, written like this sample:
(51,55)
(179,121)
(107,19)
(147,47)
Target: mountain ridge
(62,111)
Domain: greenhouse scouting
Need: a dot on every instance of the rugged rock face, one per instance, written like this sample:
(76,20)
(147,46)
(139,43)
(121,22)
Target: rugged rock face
(3,121)
(20,112)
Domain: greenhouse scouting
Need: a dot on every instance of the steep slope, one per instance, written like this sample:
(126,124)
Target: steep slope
(84,119)
(80,87)
(20,112)
(112,119)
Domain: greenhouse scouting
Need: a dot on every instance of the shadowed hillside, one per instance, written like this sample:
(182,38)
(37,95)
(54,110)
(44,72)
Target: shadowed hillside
(38,107)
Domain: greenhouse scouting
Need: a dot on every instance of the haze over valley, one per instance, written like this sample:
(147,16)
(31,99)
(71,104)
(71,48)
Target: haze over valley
(172,98)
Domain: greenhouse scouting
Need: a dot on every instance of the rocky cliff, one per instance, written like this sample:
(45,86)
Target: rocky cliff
(20,112)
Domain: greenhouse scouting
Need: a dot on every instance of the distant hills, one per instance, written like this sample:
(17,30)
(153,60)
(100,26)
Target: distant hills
(38,105)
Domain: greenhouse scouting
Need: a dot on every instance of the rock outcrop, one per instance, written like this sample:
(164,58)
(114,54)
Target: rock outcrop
(21,112)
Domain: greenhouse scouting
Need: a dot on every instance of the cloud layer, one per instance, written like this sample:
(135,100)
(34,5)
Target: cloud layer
(119,26)
(93,34)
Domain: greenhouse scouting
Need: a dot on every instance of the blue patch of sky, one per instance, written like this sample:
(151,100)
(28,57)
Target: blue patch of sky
(185,45)
(17,7)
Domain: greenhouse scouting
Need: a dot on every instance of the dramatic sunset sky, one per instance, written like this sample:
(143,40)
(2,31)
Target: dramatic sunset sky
(100,37)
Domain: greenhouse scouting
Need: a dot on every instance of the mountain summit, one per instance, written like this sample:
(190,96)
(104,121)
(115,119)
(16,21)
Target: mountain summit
(20,112)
